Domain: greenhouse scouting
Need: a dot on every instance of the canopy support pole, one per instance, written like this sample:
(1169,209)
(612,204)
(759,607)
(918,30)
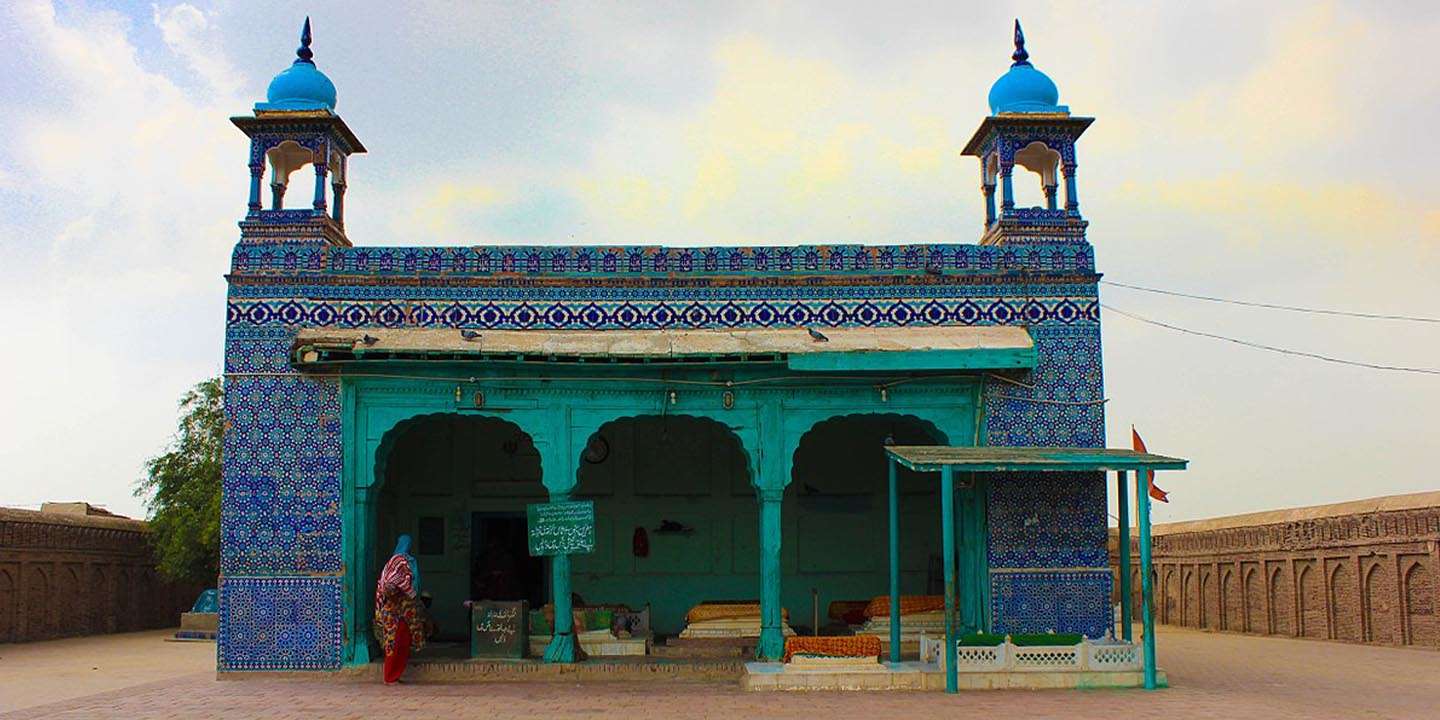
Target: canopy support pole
(1142,505)
(947,533)
(894,562)
(1122,493)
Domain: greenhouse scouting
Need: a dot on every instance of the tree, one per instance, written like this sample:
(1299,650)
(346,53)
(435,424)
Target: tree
(182,489)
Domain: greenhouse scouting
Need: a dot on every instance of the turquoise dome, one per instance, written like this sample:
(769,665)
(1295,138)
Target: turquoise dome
(1023,89)
(301,86)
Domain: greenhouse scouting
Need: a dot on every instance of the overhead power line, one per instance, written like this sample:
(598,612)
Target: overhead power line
(1271,348)
(1274,306)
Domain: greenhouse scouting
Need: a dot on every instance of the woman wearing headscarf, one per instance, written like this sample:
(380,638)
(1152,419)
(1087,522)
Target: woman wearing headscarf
(398,625)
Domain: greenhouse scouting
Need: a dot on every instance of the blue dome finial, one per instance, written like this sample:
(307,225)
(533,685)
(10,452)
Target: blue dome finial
(1023,89)
(307,55)
(301,86)
(1020,56)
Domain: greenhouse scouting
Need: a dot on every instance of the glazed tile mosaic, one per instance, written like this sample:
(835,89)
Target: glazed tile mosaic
(286,256)
(1038,602)
(279,624)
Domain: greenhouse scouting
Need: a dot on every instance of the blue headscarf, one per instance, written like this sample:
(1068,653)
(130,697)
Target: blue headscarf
(402,548)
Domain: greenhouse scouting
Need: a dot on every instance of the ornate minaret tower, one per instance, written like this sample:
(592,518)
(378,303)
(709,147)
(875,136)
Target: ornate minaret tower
(1027,127)
(297,126)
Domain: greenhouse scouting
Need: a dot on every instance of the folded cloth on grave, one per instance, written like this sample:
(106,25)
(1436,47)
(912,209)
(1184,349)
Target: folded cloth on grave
(911,625)
(909,605)
(844,646)
(850,612)
(727,610)
(588,617)
(729,628)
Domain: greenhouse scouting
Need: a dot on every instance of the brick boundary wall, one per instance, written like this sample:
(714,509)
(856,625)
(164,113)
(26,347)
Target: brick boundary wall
(1365,571)
(65,574)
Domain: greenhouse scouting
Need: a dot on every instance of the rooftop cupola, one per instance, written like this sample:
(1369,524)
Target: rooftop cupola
(297,127)
(1028,128)
(301,86)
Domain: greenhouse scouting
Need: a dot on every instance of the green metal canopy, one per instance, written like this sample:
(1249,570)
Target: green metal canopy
(948,460)
(931,458)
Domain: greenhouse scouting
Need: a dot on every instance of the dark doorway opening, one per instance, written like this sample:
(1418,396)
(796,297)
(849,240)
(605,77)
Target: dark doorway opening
(500,564)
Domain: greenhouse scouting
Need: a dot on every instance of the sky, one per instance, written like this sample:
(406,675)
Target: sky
(1280,153)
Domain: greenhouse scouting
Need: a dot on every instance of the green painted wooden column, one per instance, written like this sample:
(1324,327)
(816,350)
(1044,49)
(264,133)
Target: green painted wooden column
(1147,610)
(772,636)
(364,509)
(894,562)
(1122,504)
(562,643)
(947,535)
(973,565)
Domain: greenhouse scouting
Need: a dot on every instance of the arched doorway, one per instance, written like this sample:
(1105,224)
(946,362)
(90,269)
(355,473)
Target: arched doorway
(836,516)
(458,485)
(676,521)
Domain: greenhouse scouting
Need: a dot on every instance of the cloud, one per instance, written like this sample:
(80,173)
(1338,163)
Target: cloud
(786,149)
(189,34)
(132,184)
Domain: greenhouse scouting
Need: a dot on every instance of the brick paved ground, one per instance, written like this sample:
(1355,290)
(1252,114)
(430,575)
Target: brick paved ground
(1213,676)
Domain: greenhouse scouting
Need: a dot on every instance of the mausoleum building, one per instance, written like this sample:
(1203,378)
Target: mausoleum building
(726,409)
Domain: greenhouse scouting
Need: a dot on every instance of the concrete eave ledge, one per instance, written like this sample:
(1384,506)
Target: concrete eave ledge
(770,677)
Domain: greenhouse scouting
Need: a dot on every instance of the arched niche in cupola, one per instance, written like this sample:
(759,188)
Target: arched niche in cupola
(284,159)
(1038,158)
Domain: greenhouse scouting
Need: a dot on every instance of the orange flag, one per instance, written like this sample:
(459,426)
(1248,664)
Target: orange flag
(1139,446)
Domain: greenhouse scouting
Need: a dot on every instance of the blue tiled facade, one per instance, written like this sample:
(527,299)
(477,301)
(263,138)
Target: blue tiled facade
(283,602)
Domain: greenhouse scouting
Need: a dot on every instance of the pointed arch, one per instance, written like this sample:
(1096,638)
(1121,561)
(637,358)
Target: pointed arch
(432,473)
(37,604)
(1281,609)
(719,436)
(1209,600)
(1171,594)
(67,595)
(1230,602)
(1379,610)
(8,605)
(97,609)
(1313,622)
(1254,609)
(1420,620)
(1344,605)
(124,615)
(1189,616)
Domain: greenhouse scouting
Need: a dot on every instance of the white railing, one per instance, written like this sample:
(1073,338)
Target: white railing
(1088,655)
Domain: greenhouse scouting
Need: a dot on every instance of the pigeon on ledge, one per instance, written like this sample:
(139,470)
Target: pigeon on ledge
(816,335)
